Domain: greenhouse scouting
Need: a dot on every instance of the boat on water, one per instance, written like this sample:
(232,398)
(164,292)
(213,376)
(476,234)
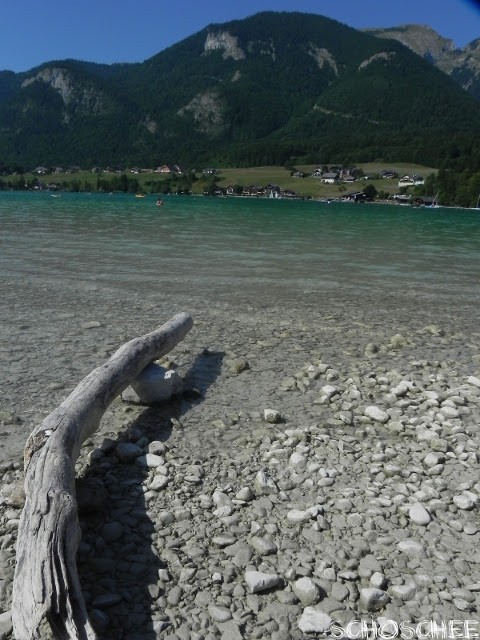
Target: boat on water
(434,204)
(140,195)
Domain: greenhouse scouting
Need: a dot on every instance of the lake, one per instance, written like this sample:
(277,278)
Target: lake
(80,274)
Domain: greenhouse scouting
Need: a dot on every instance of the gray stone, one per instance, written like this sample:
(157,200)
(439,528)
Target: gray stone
(295,516)
(419,515)
(404,591)
(230,630)
(106,600)
(158,483)
(258,581)
(112,531)
(374,599)
(463,502)
(264,484)
(263,546)
(377,414)
(314,620)
(272,416)
(127,452)
(306,591)
(412,548)
(219,614)
(245,494)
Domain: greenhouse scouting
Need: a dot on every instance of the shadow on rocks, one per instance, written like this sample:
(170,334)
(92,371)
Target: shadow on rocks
(119,564)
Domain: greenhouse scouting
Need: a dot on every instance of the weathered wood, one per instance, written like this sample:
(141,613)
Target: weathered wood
(46,584)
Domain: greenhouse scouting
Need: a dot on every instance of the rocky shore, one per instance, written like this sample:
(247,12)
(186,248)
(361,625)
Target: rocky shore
(316,470)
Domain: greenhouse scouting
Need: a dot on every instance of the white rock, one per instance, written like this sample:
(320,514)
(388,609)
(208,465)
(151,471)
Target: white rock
(433,458)
(378,580)
(411,548)
(474,381)
(219,614)
(329,390)
(306,591)
(264,484)
(404,591)
(224,540)
(297,460)
(221,499)
(159,482)
(463,502)
(151,460)
(223,512)
(154,384)
(296,516)
(157,447)
(449,412)
(245,494)
(374,599)
(314,620)
(263,546)
(377,414)
(258,581)
(272,416)
(400,390)
(419,515)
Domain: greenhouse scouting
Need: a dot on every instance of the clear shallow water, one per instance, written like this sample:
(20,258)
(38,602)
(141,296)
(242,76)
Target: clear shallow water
(274,281)
(231,248)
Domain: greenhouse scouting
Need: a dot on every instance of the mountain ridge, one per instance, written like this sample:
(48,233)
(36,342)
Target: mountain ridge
(462,64)
(263,90)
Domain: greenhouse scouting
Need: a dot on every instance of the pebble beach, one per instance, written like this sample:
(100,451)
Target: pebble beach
(318,472)
(319,468)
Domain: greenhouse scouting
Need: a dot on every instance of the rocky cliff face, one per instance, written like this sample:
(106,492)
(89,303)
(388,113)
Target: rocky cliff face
(463,65)
(222,40)
(419,38)
(207,110)
(77,98)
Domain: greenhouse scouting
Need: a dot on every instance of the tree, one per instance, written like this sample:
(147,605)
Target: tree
(370,191)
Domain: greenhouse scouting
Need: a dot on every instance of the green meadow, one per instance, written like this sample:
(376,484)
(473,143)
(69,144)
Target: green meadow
(150,182)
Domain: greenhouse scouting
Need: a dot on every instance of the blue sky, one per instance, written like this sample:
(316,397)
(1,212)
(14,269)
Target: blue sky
(111,31)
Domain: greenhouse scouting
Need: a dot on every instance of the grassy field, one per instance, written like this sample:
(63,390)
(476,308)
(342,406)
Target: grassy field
(313,187)
(261,176)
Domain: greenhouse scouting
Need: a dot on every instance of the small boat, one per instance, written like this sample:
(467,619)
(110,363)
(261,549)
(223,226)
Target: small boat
(434,204)
(139,195)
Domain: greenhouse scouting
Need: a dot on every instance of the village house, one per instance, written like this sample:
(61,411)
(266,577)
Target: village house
(330,177)
(356,196)
(169,168)
(411,181)
(388,174)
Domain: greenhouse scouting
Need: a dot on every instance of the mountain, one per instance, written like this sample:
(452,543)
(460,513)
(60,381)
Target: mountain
(270,89)
(463,65)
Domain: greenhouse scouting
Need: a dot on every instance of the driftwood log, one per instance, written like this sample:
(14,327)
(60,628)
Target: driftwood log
(46,586)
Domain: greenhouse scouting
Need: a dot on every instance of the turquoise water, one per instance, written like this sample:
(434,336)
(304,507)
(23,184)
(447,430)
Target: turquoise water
(229,248)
